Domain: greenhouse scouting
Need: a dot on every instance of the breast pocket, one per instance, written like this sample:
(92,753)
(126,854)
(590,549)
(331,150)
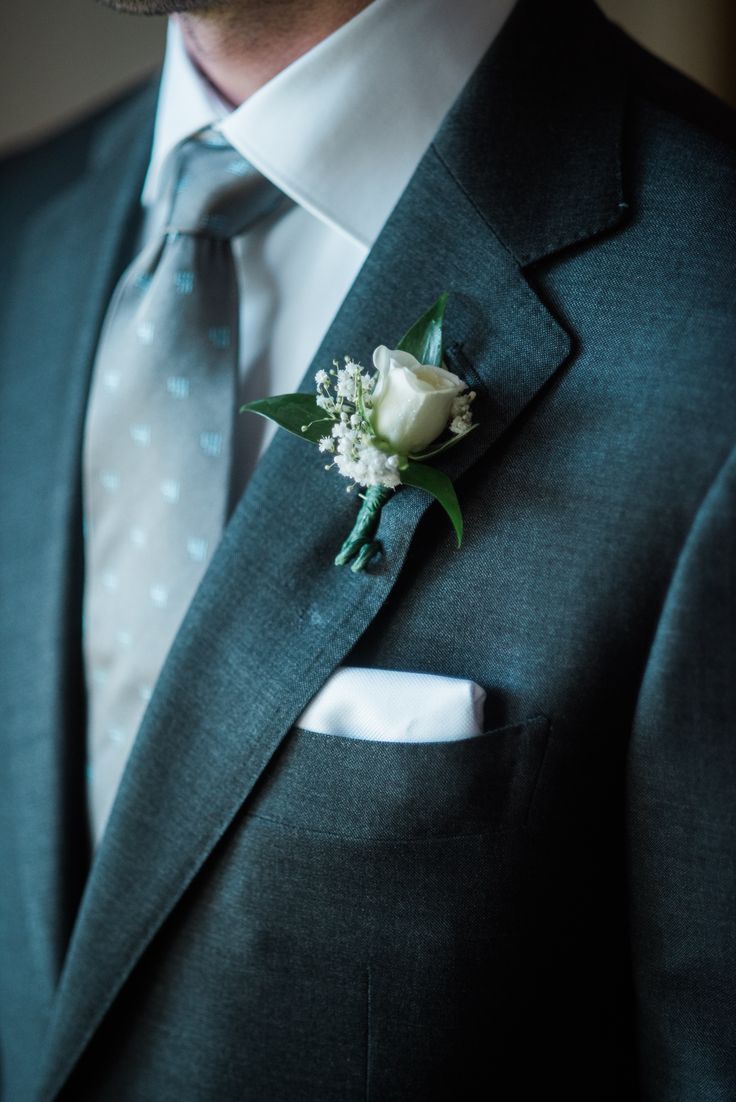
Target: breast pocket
(380,906)
(379,791)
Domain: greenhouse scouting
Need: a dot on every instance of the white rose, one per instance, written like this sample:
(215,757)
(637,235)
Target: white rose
(411,402)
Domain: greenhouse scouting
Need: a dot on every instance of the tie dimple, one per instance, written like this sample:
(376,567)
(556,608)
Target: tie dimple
(214,191)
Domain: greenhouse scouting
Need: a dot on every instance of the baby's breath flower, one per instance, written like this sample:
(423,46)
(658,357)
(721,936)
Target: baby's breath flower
(321,378)
(366,465)
(326,444)
(345,385)
(461,414)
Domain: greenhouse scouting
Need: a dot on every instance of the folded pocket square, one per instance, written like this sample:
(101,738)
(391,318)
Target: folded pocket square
(394,706)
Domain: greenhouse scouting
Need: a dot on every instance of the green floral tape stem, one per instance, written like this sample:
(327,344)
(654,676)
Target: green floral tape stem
(361,544)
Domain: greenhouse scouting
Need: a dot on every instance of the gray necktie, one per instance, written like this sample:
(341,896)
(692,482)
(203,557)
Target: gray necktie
(157,445)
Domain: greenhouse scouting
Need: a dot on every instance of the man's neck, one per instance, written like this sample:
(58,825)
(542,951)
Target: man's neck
(240,48)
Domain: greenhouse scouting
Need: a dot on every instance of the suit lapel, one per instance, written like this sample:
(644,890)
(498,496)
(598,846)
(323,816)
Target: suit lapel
(273,617)
(69,259)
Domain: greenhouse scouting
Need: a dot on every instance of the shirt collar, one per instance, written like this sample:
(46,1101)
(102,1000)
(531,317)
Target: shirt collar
(186,103)
(342,129)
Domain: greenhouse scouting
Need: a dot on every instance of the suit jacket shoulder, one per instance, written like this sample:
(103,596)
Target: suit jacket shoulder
(36,173)
(681,145)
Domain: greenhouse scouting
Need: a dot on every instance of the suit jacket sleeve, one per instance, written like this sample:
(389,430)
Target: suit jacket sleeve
(681,828)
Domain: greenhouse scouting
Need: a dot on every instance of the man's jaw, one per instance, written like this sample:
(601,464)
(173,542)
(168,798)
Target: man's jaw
(165,7)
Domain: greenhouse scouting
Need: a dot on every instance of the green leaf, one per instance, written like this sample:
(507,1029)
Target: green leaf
(440,487)
(424,339)
(292,412)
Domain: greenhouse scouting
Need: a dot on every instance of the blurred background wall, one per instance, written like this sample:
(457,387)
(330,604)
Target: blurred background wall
(59,56)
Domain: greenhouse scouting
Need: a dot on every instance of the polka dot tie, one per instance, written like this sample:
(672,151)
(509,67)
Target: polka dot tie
(157,443)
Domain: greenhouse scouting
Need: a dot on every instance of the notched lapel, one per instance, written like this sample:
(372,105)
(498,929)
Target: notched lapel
(273,616)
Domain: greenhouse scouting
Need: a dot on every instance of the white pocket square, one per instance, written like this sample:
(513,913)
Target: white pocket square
(395,706)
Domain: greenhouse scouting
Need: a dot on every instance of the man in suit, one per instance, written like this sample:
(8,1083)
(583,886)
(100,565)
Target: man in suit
(278,913)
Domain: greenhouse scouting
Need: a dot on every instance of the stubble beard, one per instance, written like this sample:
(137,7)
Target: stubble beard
(167,7)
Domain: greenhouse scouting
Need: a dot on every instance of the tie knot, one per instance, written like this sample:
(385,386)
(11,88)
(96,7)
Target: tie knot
(213,191)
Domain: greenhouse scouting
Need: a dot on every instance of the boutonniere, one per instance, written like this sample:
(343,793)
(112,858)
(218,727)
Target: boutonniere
(379,428)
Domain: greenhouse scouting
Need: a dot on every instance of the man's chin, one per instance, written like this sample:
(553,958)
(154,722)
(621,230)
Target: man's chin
(161,7)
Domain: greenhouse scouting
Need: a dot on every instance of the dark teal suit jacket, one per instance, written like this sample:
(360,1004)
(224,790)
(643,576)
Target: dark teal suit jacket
(276,915)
